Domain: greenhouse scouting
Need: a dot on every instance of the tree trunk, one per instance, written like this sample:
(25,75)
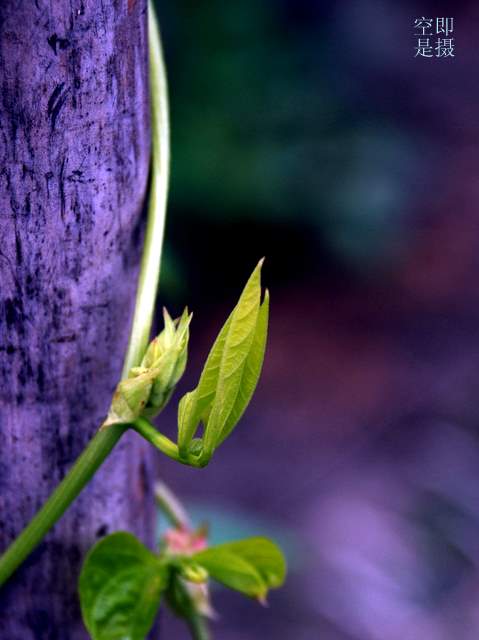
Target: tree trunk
(74,149)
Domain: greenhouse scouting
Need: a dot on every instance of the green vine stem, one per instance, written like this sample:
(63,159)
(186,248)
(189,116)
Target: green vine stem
(160,172)
(104,441)
(197,623)
(162,443)
(198,627)
(157,439)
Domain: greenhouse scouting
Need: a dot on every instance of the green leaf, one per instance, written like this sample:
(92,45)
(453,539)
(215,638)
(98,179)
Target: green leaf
(230,373)
(233,572)
(251,566)
(251,371)
(130,397)
(120,586)
(265,555)
(195,403)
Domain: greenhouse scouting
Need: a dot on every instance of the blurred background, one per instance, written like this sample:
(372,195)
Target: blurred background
(307,132)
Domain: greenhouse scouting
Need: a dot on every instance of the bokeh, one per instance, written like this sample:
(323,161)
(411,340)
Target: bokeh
(308,132)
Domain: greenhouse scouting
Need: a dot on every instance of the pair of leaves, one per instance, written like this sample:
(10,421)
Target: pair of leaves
(251,566)
(122,582)
(230,374)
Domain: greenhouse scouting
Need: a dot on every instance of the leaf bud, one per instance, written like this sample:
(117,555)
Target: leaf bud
(149,387)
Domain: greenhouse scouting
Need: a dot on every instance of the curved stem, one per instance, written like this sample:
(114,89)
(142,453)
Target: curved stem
(157,439)
(104,441)
(160,148)
(162,443)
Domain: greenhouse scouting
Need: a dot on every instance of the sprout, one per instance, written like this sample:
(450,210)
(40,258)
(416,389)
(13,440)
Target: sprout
(229,377)
(148,387)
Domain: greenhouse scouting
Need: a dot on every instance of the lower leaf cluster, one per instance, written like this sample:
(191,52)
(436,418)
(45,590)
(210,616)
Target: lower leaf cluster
(122,582)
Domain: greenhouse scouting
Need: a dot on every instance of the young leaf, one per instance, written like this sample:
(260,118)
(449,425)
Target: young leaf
(130,397)
(120,588)
(238,343)
(195,404)
(148,387)
(167,355)
(265,555)
(233,572)
(230,373)
(251,566)
(251,371)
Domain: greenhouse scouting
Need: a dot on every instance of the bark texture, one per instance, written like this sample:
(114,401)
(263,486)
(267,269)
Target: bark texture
(74,148)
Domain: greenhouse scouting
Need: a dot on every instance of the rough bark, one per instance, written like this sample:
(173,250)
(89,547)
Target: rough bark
(74,147)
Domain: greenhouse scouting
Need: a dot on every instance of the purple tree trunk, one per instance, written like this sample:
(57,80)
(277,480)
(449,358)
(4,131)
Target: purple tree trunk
(74,149)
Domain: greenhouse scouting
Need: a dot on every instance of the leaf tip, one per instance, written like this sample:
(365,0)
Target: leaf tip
(261,598)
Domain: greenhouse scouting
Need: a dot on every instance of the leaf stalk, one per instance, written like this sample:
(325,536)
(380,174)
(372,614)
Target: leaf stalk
(164,444)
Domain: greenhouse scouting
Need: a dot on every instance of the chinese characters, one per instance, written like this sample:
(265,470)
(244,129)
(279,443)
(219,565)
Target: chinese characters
(433,37)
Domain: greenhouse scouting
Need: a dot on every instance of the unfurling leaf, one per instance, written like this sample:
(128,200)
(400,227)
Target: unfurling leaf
(251,566)
(167,354)
(230,374)
(120,588)
(148,387)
